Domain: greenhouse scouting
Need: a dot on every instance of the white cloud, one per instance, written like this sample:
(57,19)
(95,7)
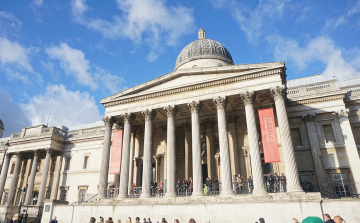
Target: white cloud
(152,21)
(73,62)
(9,23)
(38,2)
(339,62)
(15,54)
(11,114)
(334,23)
(254,21)
(69,108)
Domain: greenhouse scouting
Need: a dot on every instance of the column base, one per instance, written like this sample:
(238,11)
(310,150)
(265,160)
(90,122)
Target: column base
(170,194)
(259,191)
(197,194)
(145,195)
(294,189)
(122,196)
(226,193)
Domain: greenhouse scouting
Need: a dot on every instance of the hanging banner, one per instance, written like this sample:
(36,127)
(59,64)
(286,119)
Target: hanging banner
(116,149)
(268,135)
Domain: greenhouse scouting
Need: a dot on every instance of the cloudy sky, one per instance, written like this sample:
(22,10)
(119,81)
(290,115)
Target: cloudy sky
(87,50)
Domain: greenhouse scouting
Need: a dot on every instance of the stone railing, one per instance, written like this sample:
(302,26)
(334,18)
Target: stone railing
(16,135)
(317,86)
(307,88)
(293,91)
(73,133)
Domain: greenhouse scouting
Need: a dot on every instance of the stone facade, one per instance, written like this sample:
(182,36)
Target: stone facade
(194,122)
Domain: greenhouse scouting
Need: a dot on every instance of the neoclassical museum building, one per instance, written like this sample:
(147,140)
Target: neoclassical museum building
(205,119)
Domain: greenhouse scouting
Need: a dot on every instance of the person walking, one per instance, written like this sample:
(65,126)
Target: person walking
(276,179)
(109,220)
(54,220)
(240,184)
(328,218)
(10,220)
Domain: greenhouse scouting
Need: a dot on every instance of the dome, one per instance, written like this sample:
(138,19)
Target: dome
(203,48)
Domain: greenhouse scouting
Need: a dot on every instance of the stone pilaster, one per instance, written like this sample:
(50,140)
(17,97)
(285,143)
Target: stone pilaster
(351,147)
(293,182)
(210,150)
(256,166)
(195,107)
(234,155)
(147,170)
(136,154)
(31,180)
(14,179)
(171,112)
(221,103)
(44,177)
(55,188)
(188,150)
(104,169)
(4,173)
(315,148)
(124,175)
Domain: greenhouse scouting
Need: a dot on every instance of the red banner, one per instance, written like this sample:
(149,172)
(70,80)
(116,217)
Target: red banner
(268,134)
(116,149)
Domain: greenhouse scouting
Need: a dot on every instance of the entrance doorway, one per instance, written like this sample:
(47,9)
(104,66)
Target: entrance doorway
(204,172)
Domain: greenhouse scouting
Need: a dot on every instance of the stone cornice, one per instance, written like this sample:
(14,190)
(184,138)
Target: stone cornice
(315,100)
(195,87)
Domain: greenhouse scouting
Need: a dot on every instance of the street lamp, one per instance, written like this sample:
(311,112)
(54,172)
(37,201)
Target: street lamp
(6,147)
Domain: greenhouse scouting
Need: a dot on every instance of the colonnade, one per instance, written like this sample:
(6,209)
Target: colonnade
(31,179)
(278,94)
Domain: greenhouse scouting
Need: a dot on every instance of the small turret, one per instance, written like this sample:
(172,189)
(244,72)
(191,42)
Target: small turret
(202,34)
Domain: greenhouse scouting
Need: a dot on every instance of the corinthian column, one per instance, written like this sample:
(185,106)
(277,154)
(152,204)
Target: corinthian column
(221,103)
(41,196)
(124,175)
(31,180)
(4,173)
(147,171)
(256,167)
(315,149)
(351,148)
(10,199)
(195,108)
(104,169)
(293,183)
(188,150)
(210,150)
(171,112)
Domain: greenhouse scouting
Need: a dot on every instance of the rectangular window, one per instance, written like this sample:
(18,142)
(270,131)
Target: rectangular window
(86,162)
(48,193)
(67,163)
(341,184)
(63,193)
(296,137)
(82,195)
(5,197)
(356,132)
(12,168)
(329,133)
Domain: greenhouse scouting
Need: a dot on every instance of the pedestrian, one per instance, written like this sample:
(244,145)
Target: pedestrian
(17,220)
(338,219)
(250,184)
(209,184)
(276,179)
(149,221)
(269,183)
(217,185)
(176,221)
(328,218)
(240,184)
(163,220)
(111,190)
(128,220)
(283,182)
(192,220)
(153,187)
(295,220)
(145,220)
(137,220)
(261,220)
(54,220)
(191,185)
(10,220)
(109,220)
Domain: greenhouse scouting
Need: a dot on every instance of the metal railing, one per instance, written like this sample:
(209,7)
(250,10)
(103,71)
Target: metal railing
(135,192)
(212,189)
(158,192)
(334,190)
(243,188)
(112,193)
(276,186)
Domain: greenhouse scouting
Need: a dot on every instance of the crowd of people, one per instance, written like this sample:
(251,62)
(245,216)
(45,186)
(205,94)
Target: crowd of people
(276,183)
(137,220)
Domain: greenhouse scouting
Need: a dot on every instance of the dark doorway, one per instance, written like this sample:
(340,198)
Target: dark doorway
(140,175)
(204,172)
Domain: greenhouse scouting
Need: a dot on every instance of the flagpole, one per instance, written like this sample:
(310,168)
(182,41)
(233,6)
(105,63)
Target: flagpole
(47,121)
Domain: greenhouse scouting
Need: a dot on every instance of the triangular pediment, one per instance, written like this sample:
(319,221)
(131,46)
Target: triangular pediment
(190,77)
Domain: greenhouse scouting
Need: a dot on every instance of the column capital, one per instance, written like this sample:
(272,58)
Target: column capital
(18,154)
(209,123)
(149,114)
(220,102)
(171,111)
(195,106)
(278,92)
(248,97)
(309,118)
(128,118)
(9,155)
(187,126)
(118,126)
(109,121)
(342,113)
(48,151)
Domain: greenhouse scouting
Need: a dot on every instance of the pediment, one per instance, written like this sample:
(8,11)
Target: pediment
(191,77)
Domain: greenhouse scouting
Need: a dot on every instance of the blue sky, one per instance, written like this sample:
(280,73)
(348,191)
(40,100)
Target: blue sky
(88,50)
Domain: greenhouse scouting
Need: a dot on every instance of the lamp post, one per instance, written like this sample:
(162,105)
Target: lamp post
(6,147)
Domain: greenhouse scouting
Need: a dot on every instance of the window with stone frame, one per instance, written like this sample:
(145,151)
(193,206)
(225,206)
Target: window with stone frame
(82,193)
(296,137)
(356,133)
(63,193)
(329,133)
(86,162)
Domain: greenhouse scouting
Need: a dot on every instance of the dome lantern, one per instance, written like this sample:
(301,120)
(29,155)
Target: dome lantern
(202,34)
